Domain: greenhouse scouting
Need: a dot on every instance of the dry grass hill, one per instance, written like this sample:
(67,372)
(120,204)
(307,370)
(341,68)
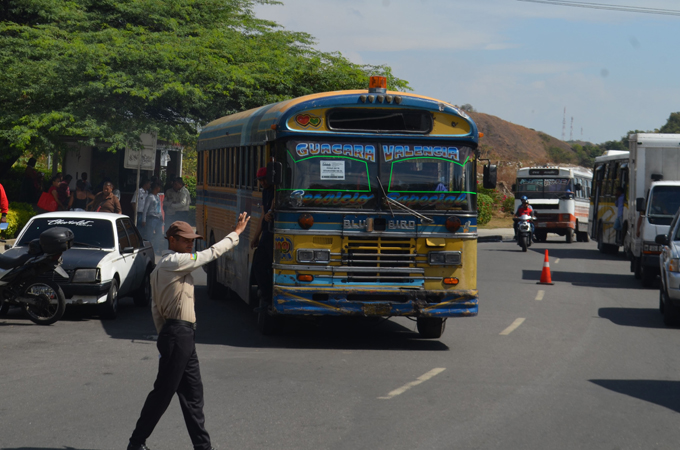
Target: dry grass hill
(513,146)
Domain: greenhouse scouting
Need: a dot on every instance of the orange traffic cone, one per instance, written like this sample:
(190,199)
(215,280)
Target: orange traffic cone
(545,275)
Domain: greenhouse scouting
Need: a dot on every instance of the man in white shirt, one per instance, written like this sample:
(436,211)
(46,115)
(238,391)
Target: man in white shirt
(138,199)
(176,202)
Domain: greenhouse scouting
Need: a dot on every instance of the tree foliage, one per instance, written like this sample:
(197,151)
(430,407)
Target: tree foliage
(672,124)
(105,71)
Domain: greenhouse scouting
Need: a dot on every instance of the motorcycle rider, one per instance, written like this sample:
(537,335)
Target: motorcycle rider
(524,208)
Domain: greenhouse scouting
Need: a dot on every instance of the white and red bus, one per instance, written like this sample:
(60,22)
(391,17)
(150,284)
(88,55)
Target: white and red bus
(560,199)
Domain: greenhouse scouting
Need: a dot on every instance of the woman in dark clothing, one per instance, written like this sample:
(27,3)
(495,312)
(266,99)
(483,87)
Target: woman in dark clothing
(79,198)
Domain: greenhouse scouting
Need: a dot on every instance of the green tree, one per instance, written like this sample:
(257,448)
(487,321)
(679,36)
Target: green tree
(105,71)
(672,124)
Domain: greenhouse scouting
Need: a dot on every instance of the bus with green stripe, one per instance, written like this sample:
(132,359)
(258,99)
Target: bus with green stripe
(375,208)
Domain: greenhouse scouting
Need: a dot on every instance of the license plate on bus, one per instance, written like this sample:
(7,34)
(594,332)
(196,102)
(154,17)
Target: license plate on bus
(377,309)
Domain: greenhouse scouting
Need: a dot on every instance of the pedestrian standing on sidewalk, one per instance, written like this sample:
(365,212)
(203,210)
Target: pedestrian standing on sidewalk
(172,308)
(152,218)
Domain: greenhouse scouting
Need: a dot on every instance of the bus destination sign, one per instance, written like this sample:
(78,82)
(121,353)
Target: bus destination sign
(544,171)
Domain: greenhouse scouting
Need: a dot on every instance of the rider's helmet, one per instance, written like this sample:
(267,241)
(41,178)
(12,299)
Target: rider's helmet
(524,199)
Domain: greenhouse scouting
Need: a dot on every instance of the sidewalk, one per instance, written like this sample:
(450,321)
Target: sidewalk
(495,234)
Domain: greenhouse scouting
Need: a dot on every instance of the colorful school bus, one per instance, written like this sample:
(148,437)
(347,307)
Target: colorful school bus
(375,205)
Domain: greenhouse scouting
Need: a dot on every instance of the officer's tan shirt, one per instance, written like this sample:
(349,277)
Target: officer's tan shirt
(172,286)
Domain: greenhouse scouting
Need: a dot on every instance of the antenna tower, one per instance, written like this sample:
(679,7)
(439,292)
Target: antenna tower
(571,130)
(564,122)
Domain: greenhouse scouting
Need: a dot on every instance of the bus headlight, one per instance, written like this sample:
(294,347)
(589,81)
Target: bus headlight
(445,258)
(308,255)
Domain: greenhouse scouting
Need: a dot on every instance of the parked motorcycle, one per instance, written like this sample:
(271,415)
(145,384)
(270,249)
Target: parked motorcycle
(26,281)
(524,231)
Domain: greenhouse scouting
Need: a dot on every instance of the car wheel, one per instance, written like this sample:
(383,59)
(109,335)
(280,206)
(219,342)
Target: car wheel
(142,296)
(109,309)
(671,315)
(430,327)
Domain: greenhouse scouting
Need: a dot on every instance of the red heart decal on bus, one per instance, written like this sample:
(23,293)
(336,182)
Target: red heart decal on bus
(302,119)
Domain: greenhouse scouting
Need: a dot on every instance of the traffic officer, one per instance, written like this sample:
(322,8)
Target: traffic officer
(172,308)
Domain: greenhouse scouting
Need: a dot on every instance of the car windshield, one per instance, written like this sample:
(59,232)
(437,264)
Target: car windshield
(92,232)
(543,187)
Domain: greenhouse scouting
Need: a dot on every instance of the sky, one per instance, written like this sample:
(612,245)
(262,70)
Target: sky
(524,62)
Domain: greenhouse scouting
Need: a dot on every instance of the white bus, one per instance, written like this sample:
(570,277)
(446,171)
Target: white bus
(560,199)
(611,171)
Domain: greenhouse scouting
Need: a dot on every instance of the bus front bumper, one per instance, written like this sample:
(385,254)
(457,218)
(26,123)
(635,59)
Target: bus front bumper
(374,302)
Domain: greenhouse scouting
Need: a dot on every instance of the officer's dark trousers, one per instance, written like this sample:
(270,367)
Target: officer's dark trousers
(178,372)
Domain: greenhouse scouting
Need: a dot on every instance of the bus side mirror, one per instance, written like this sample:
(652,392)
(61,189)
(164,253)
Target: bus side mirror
(490,176)
(640,204)
(274,173)
(661,239)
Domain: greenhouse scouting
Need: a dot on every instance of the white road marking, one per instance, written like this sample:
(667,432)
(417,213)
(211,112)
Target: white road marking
(421,379)
(539,295)
(513,327)
(557,260)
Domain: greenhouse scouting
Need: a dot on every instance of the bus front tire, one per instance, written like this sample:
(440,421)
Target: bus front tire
(430,327)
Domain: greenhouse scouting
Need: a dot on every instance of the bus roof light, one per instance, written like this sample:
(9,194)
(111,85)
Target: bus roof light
(371,98)
(305,277)
(397,99)
(362,98)
(451,281)
(381,98)
(377,84)
(389,98)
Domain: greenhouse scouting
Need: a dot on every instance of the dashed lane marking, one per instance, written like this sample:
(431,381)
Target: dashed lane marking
(557,260)
(421,379)
(513,327)
(539,295)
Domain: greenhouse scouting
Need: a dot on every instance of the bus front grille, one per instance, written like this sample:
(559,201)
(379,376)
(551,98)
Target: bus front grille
(384,255)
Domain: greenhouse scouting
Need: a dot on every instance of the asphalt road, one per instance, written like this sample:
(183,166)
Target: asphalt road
(583,364)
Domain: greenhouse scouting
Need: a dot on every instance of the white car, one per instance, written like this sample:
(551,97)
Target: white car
(669,265)
(108,260)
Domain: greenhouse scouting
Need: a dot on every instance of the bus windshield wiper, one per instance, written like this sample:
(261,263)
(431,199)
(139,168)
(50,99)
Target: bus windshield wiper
(391,201)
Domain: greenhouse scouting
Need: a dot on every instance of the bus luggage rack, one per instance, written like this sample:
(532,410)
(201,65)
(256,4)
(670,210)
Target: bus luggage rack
(390,256)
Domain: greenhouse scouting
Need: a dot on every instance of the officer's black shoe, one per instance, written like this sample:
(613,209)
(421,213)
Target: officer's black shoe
(132,446)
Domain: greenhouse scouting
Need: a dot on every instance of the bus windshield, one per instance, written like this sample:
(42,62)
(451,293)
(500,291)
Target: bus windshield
(544,187)
(329,175)
(347,175)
